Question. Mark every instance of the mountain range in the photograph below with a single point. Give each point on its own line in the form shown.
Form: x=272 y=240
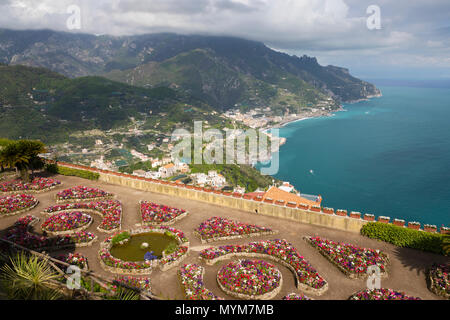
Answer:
x=223 y=72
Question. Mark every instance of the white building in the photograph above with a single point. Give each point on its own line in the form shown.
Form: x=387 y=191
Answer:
x=156 y=163
x=286 y=186
x=168 y=170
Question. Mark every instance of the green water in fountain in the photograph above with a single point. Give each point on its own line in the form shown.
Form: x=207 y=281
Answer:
x=131 y=251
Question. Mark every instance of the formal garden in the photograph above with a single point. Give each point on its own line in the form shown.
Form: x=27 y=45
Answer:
x=88 y=227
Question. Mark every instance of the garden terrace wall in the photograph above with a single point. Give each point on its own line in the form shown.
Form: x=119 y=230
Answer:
x=255 y=205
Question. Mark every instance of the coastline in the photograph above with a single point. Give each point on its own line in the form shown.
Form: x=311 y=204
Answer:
x=305 y=116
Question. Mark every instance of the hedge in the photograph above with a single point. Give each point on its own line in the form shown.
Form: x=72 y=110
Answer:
x=72 y=172
x=404 y=237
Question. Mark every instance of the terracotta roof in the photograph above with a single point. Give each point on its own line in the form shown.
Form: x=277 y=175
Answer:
x=168 y=166
x=277 y=194
x=255 y=194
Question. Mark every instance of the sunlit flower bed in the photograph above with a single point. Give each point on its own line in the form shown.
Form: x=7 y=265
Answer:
x=308 y=279
x=250 y=279
x=66 y=221
x=174 y=258
x=110 y=261
x=155 y=214
x=350 y=259
x=82 y=193
x=75 y=259
x=134 y=282
x=16 y=204
x=38 y=184
x=381 y=294
x=20 y=235
x=440 y=279
x=217 y=228
x=295 y=296
x=110 y=210
x=191 y=278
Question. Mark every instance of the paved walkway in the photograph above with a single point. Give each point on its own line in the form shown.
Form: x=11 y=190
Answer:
x=407 y=269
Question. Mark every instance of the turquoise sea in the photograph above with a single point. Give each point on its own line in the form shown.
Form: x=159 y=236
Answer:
x=388 y=156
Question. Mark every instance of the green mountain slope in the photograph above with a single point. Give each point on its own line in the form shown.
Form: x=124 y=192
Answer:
x=222 y=70
x=37 y=103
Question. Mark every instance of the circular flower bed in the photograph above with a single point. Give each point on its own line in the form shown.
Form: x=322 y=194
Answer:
x=115 y=265
x=250 y=279
x=20 y=235
x=110 y=210
x=295 y=296
x=16 y=204
x=37 y=185
x=191 y=278
x=156 y=214
x=82 y=193
x=217 y=228
x=67 y=222
x=381 y=294
x=440 y=280
x=307 y=278
x=350 y=259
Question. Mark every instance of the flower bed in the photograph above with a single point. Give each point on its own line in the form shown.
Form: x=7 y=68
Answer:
x=110 y=210
x=134 y=282
x=111 y=264
x=216 y=229
x=350 y=259
x=115 y=265
x=27 y=221
x=156 y=214
x=295 y=296
x=36 y=186
x=67 y=222
x=20 y=235
x=191 y=278
x=174 y=259
x=250 y=279
x=381 y=294
x=12 y=205
x=75 y=259
x=439 y=276
x=307 y=278
x=81 y=193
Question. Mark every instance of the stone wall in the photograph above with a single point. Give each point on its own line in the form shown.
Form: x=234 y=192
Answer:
x=325 y=217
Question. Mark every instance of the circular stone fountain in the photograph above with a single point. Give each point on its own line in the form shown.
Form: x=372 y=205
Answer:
x=250 y=279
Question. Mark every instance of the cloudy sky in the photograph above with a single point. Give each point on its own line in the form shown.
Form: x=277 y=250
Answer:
x=412 y=39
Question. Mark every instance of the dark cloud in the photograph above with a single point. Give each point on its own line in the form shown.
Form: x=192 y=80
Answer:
x=413 y=32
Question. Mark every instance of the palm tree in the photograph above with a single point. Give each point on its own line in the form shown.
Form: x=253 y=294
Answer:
x=29 y=278
x=22 y=155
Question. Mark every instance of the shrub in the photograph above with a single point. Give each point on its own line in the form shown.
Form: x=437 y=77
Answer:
x=170 y=235
x=171 y=248
x=53 y=168
x=403 y=237
x=120 y=237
